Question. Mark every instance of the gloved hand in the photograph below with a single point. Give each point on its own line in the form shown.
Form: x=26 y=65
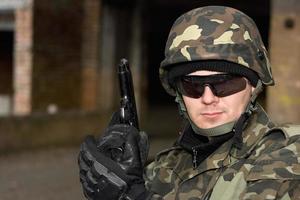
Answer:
x=112 y=168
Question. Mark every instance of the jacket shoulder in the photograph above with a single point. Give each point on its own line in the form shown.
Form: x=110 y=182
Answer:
x=280 y=155
x=289 y=130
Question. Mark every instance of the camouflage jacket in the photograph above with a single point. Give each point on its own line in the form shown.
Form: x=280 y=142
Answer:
x=267 y=167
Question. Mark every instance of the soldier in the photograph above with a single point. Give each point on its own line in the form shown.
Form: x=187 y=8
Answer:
x=215 y=65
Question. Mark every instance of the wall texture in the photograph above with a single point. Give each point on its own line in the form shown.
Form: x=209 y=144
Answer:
x=283 y=100
x=42 y=130
x=56 y=76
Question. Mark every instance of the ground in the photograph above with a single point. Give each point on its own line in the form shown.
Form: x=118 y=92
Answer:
x=48 y=174
x=40 y=175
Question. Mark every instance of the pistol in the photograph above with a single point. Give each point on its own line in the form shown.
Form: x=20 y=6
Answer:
x=128 y=115
x=128 y=111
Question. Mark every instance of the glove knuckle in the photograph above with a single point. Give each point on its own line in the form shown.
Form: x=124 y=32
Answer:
x=82 y=163
x=90 y=179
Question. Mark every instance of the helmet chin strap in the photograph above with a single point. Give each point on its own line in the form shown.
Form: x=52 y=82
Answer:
x=236 y=126
x=241 y=123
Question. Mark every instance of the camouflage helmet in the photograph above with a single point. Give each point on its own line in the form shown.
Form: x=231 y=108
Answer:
x=206 y=37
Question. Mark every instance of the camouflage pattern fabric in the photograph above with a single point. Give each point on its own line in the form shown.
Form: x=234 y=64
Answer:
x=215 y=33
x=267 y=167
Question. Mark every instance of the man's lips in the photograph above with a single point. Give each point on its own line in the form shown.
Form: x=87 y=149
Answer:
x=211 y=114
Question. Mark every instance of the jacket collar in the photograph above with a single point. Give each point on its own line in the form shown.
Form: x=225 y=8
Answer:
x=257 y=127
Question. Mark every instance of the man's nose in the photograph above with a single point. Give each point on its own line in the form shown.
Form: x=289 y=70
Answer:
x=208 y=97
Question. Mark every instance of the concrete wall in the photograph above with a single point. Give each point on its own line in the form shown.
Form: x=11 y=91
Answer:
x=42 y=130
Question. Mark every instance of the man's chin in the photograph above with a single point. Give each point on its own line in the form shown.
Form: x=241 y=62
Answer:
x=210 y=124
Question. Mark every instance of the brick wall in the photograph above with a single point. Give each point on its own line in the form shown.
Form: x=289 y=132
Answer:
x=23 y=60
x=57 y=55
x=90 y=54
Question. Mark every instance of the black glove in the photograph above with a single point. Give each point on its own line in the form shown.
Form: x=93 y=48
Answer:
x=113 y=167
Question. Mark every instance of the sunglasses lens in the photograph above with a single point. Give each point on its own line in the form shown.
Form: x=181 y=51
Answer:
x=190 y=88
x=221 y=85
x=230 y=86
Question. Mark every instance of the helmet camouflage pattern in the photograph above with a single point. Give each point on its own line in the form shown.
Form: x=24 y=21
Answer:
x=215 y=33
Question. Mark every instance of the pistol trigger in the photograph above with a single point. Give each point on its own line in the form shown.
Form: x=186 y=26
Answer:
x=116 y=154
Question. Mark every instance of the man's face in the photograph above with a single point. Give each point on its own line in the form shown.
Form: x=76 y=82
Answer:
x=209 y=111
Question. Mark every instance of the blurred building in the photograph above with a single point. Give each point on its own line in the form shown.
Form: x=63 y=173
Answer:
x=60 y=56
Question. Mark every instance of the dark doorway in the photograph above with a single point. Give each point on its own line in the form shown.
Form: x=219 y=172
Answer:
x=159 y=16
x=6 y=57
x=6 y=70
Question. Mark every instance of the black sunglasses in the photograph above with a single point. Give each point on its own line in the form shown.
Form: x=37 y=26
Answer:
x=221 y=85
